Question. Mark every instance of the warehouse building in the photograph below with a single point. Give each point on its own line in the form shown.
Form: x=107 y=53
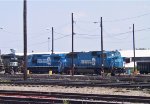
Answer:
x=140 y=55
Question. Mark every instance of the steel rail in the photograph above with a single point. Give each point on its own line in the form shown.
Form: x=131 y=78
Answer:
x=138 y=78
x=78 y=83
x=73 y=98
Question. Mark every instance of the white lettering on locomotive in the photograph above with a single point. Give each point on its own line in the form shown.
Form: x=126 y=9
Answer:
x=48 y=61
x=91 y=62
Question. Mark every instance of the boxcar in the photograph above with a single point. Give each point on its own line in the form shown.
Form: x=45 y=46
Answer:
x=143 y=67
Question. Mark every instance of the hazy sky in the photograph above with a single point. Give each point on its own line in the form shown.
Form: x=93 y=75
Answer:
x=118 y=18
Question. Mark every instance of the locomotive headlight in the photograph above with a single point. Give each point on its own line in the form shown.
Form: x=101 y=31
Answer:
x=112 y=54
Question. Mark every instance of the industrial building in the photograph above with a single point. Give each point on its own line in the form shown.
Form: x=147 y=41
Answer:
x=140 y=55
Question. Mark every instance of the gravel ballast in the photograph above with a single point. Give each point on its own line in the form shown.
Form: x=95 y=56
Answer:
x=86 y=90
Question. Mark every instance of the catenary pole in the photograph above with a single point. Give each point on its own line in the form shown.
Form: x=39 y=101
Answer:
x=72 y=45
x=52 y=40
x=134 y=48
x=25 y=37
x=102 y=55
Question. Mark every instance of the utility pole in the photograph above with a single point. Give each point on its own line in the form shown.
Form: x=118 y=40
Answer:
x=25 y=37
x=72 y=46
x=102 y=54
x=134 y=48
x=52 y=40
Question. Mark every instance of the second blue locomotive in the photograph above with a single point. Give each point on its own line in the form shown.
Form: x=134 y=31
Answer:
x=91 y=62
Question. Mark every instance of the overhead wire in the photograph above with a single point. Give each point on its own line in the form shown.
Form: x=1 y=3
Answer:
x=118 y=34
x=77 y=26
x=86 y=34
x=88 y=37
x=118 y=38
x=58 y=33
x=117 y=20
x=37 y=36
x=112 y=36
x=63 y=37
x=39 y=43
x=63 y=25
x=91 y=36
x=128 y=18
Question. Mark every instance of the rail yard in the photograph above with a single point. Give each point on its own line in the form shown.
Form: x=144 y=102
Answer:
x=49 y=82
x=84 y=89
x=73 y=78
x=88 y=72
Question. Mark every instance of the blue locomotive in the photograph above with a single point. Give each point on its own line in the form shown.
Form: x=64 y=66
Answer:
x=43 y=63
x=91 y=62
x=83 y=62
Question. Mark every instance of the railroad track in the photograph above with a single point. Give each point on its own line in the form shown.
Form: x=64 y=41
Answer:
x=30 y=97
x=133 y=78
x=77 y=84
x=138 y=78
x=117 y=81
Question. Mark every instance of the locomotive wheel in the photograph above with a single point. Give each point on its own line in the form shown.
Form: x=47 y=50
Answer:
x=141 y=72
x=113 y=73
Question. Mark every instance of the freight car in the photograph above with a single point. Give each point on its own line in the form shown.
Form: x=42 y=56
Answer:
x=90 y=62
x=143 y=67
x=43 y=63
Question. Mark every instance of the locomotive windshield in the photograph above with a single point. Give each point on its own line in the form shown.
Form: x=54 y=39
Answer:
x=100 y=55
